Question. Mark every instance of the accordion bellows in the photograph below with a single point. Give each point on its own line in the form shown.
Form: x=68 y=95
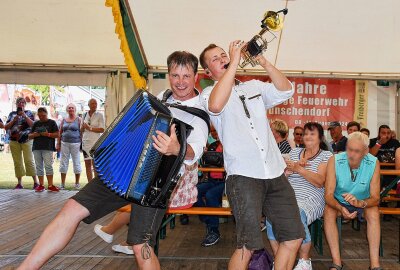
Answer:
x=124 y=156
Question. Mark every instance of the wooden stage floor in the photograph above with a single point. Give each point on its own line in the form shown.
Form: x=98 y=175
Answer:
x=24 y=215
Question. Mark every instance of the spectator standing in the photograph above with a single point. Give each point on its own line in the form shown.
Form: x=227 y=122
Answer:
x=308 y=167
x=352 y=191
x=298 y=136
x=280 y=131
x=44 y=131
x=353 y=126
x=91 y=129
x=338 y=140
x=365 y=131
x=19 y=125
x=69 y=145
x=210 y=191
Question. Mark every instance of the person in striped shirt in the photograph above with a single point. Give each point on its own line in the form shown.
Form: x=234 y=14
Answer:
x=280 y=130
x=307 y=173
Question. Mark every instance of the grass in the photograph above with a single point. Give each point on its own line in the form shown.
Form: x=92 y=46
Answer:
x=8 y=179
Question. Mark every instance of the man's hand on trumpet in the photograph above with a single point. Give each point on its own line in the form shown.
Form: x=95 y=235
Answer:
x=235 y=49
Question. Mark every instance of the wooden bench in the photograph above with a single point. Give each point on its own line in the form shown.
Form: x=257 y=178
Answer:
x=384 y=164
x=171 y=214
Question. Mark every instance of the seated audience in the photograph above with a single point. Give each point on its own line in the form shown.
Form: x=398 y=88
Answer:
x=352 y=191
x=386 y=149
x=307 y=167
x=298 y=136
x=211 y=189
x=280 y=131
x=338 y=140
x=353 y=126
x=44 y=131
x=19 y=124
x=365 y=131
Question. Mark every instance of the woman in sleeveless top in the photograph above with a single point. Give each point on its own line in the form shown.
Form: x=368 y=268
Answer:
x=69 y=145
x=307 y=173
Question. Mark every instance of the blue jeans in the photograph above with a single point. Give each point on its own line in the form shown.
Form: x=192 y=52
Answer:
x=303 y=216
x=210 y=195
x=43 y=160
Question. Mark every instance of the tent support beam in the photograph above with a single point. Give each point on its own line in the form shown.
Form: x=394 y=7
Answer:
x=310 y=74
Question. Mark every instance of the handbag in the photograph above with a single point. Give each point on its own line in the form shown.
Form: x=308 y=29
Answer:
x=261 y=260
x=212 y=159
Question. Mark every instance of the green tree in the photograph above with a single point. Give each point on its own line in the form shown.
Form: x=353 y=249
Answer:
x=44 y=90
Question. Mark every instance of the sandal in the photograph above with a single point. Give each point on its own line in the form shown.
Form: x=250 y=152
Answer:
x=338 y=267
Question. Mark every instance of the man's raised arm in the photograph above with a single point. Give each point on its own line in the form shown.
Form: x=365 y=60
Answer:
x=222 y=90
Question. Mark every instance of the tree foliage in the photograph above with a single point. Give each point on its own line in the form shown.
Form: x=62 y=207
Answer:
x=44 y=90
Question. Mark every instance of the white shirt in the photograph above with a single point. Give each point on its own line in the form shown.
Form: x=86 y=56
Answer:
x=198 y=136
x=250 y=148
x=96 y=121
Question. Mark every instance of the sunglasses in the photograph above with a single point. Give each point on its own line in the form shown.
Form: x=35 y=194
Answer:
x=298 y=134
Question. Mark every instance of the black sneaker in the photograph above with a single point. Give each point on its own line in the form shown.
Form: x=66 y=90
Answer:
x=211 y=238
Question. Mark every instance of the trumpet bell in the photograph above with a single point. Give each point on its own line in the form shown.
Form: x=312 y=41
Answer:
x=272 y=21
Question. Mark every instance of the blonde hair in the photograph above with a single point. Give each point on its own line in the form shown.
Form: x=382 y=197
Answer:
x=360 y=137
x=281 y=127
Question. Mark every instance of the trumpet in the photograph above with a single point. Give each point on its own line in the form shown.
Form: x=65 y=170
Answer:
x=258 y=44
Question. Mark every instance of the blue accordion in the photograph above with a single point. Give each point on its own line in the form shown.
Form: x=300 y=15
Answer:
x=125 y=159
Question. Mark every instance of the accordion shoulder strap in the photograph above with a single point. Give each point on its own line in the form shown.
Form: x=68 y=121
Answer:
x=192 y=110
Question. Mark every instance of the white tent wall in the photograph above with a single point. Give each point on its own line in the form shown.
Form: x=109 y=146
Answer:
x=53 y=77
x=120 y=90
x=79 y=32
x=381 y=107
x=318 y=35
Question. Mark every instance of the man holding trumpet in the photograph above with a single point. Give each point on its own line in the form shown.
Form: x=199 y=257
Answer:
x=256 y=183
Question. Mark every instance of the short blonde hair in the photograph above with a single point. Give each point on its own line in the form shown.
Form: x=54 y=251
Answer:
x=360 y=137
x=281 y=127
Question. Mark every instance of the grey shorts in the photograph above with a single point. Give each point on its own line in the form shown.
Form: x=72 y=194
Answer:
x=275 y=198
x=100 y=201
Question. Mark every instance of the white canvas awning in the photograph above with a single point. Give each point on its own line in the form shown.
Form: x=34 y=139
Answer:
x=359 y=36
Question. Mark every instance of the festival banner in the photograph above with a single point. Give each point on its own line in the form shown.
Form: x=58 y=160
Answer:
x=361 y=103
x=315 y=99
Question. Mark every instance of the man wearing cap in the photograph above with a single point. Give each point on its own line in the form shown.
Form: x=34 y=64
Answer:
x=338 y=140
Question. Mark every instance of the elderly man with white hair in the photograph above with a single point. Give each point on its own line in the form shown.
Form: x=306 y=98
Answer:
x=91 y=128
x=352 y=191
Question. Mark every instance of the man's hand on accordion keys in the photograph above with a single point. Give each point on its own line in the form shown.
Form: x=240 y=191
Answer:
x=167 y=145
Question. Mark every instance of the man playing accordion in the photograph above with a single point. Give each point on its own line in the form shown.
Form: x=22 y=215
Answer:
x=96 y=200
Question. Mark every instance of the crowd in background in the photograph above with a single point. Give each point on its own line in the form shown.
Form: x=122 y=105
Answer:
x=33 y=142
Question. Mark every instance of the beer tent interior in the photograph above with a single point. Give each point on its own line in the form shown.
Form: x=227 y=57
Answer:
x=74 y=42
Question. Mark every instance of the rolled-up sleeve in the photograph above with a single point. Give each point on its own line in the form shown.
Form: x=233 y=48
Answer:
x=197 y=139
x=272 y=96
x=204 y=98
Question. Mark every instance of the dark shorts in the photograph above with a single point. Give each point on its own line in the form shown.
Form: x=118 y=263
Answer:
x=275 y=198
x=100 y=201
